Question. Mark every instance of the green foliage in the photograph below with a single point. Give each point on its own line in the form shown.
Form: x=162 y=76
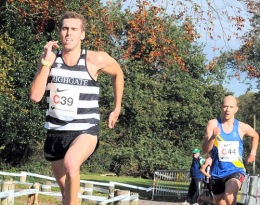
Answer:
x=169 y=95
x=164 y=115
x=7 y=60
x=249 y=113
x=20 y=119
x=247 y=57
x=248 y=108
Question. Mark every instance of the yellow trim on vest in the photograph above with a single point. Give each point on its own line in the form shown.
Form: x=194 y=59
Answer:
x=238 y=163
x=218 y=138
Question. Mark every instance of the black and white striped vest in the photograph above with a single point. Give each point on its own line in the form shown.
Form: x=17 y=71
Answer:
x=72 y=96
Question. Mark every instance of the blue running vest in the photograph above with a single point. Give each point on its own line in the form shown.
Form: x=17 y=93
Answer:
x=227 y=153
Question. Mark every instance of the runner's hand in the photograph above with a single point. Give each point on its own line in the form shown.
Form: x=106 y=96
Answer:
x=48 y=53
x=216 y=131
x=113 y=119
x=250 y=158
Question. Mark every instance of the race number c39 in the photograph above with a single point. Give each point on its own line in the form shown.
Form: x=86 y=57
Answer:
x=63 y=100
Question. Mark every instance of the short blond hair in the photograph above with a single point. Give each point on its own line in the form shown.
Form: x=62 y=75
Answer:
x=73 y=15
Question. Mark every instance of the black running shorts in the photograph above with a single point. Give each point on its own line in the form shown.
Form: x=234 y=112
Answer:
x=57 y=142
x=219 y=185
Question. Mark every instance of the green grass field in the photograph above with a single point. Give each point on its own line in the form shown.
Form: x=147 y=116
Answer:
x=126 y=180
x=139 y=182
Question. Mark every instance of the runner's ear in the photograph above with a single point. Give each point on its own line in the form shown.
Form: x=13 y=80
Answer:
x=237 y=108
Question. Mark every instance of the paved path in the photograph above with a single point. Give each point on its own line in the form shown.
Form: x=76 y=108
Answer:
x=147 y=202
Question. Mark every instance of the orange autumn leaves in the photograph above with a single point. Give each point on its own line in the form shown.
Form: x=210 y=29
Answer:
x=147 y=40
x=151 y=38
x=149 y=33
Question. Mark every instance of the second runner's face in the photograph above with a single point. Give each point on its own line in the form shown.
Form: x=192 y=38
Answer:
x=229 y=109
x=71 y=34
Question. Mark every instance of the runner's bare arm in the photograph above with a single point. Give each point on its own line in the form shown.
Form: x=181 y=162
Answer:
x=38 y=85
x=211 y=132
x=248 y=131
x=110 y=66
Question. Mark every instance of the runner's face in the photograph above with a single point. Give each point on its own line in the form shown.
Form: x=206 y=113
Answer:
x=71 y=34
x=229 y=108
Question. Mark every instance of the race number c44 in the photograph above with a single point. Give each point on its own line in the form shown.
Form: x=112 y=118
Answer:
x=63 y=100
x=228 y=151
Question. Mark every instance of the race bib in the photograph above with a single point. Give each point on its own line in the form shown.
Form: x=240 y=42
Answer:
x=228 y=151
x=63 y=101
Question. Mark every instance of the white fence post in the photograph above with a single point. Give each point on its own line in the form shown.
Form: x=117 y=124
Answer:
x=88 y=190
x=7 y=186
x=23 y=177
x=46 y=187
x=111 y=190
x=135 y=201
x=119 y=192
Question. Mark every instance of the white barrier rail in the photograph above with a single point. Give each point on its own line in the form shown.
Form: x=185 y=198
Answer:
x=172 y=183
x=94 y=186
x=130 y=186
x=37 y=176
x=165 y=181
x=250 y=191
x=5 y=194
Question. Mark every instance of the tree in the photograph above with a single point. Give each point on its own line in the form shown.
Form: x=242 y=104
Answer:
x=249 y=113
x=170 y=91
x=246 y=59
x=230 y=17
x=205 y=15
x=16 y=126
x=20 y=133
x=7 y=60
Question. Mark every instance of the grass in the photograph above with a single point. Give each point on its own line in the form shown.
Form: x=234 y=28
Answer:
x=134 y=181
x=137 y=181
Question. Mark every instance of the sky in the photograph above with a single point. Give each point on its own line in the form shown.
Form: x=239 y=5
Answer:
x=222 y=27
x=237 y=86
